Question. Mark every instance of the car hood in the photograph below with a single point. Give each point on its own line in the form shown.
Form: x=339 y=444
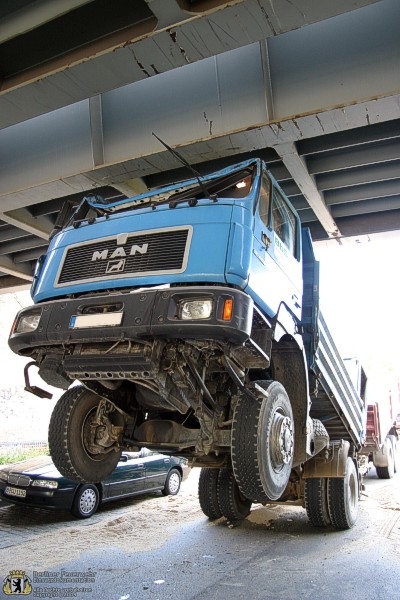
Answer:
x=39 y=466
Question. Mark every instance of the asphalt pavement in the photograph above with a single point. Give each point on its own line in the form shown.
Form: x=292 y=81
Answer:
x=178 y=554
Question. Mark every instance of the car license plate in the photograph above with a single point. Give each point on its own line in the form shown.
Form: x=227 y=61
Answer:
x=96 y=320
x=12 y=491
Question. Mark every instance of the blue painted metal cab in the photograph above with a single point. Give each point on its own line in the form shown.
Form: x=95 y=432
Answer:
x=242 y=233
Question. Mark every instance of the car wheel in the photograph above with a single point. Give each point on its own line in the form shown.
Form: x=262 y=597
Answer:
x=172 y=483
x=86 y=501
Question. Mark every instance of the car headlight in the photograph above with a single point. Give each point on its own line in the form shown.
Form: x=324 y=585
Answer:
x=46 y=483
x=3 y=476
x=195 y=309
x=28 y=322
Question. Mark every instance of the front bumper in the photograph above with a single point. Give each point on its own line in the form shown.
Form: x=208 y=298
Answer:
x=142 y=316
x=60 y=498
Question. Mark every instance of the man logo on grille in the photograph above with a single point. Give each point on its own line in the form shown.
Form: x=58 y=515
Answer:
x=115 y=266
x=120 y=252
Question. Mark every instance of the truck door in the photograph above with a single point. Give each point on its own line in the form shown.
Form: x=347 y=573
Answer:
x=276 y=274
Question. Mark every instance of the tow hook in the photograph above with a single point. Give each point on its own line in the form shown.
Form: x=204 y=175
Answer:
x=34 y=389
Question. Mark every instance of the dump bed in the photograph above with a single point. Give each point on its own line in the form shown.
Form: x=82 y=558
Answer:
x=335 y=401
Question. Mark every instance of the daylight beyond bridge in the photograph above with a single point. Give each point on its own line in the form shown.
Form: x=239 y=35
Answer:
x=312 y=87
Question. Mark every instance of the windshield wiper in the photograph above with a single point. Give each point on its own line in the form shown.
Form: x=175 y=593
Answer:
x=178 y=156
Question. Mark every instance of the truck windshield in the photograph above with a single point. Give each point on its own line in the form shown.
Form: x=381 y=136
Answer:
x=224 y=184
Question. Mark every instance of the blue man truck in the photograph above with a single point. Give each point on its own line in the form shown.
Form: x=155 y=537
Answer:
x=186 y=320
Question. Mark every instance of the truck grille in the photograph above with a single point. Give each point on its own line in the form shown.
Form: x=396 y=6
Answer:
x=129 y=255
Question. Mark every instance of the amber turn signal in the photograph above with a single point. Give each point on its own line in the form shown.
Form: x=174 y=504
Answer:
x=228 y=309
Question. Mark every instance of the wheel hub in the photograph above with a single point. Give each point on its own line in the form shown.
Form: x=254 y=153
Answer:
x=174 y=482
x=87 y=501
x=99 y=433
x=282 y=440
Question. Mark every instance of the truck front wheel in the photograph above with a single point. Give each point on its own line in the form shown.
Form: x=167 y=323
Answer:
x=69 y=435
x=263 y=443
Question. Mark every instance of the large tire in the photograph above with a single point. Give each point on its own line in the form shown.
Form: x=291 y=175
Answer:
x=208 y=493
x=343 y=497
x=388 y=471
x=68 y=424
x=316 y=501
x=263 y=443
x=86 y=501
x=396 y=457
x=172 y=483
x=233 y=504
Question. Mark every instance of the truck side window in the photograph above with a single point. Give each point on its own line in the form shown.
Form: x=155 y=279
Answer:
x=283 y=222
x=264 y=201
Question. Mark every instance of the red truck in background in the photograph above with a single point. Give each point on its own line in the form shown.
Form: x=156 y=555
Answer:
x=382 y=443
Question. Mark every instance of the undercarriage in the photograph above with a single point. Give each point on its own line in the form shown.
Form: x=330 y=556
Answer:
x=221 y=394
x=181 y=401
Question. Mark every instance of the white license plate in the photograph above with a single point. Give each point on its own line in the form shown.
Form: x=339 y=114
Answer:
x=97 y=320
x=12 y=491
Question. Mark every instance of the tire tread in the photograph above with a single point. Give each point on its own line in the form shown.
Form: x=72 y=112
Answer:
x=208 y=493
x=57 y=436
x=339 y=510
x=234 y=507
x=315 y=496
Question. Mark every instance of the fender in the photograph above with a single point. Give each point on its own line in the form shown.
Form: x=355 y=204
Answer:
x=289 y=367
x=381 y=458
x=286 y=322
x=333 y=466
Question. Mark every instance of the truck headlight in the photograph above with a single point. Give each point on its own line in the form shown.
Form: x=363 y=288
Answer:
x=46 y=483
x=195 y=309
x=28 y=322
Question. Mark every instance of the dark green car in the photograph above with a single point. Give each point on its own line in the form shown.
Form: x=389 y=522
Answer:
x=36 y=482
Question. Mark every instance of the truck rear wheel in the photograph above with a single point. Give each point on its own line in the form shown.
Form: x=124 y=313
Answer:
x=208 y=493
x=233 y=504
x=396 y=459
x=68 y=435
x=388 y=471
x=263 y=443
x=316 y=501
x=343 y=496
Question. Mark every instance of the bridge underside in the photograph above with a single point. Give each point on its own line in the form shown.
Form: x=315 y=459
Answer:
x=312 y=87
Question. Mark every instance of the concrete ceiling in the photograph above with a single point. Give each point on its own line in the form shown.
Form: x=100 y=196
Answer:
x=312 y=87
